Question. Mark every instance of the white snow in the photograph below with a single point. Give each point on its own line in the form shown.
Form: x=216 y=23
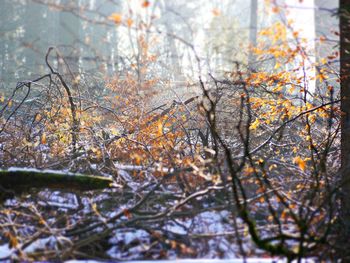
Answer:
x=248 y=260
x=5 y=251
x=28 y=169
x=39 y=244
x=128 y=167
x=128 y=236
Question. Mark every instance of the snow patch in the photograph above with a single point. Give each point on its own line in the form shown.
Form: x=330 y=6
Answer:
x=40 y=244
x=5 y=251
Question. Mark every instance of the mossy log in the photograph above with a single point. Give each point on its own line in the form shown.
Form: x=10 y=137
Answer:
x=22 y=179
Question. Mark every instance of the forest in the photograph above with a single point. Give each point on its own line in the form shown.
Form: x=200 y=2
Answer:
x=156 y=130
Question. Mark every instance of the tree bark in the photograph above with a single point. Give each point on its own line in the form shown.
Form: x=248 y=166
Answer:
x=25 y=179
x=344 y=27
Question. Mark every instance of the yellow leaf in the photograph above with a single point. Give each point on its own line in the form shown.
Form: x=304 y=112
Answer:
x=277 y=89
x=137 y=158
x=260 y=162
x=249 y=170
x=277 y=65
x=254 y=125
x=291 y=89
x=160 y=129
x=321 y=77
x=38 y=117
x=273 y=166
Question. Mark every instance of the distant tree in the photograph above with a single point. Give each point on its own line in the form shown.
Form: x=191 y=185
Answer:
x=253 y=27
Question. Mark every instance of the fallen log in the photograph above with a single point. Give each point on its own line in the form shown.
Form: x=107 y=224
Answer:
x=23 y=178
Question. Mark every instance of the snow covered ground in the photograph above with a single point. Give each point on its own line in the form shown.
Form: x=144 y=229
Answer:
x=248 y=260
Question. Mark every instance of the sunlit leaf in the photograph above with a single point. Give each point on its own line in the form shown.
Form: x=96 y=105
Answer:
x=116 y=18
x=129 y=22
x=300 y=162
x=43 y=138
x=254 y=125
x=145 y=4
x=127 y=213
x=216 y=12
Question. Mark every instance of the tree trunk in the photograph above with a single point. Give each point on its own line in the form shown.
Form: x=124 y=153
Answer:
x=344 y=26
x=23 y=179
x=253 y=30
x=325 y=24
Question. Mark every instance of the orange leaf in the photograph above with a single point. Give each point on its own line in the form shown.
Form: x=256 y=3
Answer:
x=116 y=18
x=160 y=129
x=13 y=241
x=146 y=4
x=129 y=22
x=216 y=12
x=127 y=213
x=284 y=215
x=300 y=162
x=275 y=9
x=43 y=138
